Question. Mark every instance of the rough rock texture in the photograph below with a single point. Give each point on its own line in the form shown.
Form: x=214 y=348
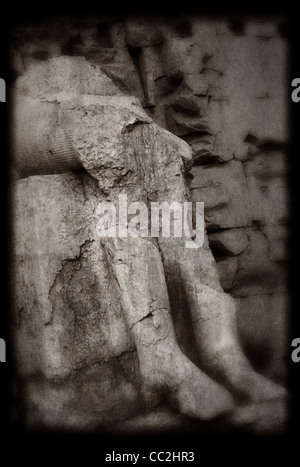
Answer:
x=70 y=329
x=222 y=89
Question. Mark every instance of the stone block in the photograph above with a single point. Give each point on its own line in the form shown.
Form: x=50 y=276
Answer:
x=230 y=242
x=223 y=190
x=257 y=272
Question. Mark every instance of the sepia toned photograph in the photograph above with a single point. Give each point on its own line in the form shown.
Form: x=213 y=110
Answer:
x=150 y=205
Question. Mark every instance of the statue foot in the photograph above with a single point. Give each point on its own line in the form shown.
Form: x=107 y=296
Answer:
x=222 y=356
x=202 y=398
x=165 y=368
x=238 y=375
x=262 y=418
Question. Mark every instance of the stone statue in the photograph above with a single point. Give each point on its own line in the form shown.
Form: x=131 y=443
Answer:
x=74 y=117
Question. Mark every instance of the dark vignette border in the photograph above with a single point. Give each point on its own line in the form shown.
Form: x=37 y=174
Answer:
x=235 y=445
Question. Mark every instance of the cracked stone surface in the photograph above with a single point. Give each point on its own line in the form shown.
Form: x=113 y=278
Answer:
x=69 y=325
x=223 y=93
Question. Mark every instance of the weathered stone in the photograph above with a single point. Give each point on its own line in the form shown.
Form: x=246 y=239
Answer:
x=66 y=252
x=157 y=114
x=32 y=134
x=267 y=343
x=16 y=61
x=141 y=290
x=103 y=392
x=158 y=421
x=266 y=175
x=181 y=56
x=227 y=269
x=182 y=125
x=197 y=83
x=65 y=70
x=185 y=113
x=118 y=64
x=257 y=273
x=223 y=190
x=187 y=103
x=205 y=35
x=229 y=242
x=262 y=29
x=117 y=34
x=267 y=165
x=268 y=123
x=70 y=326
x=276 y=51
x=164 y=87
x=151 y=70
x=237 y=109
x=202 y=148
x=265 y=418
x=279 y=241
x=231 y=80
x=141 y=32
x=91 y=36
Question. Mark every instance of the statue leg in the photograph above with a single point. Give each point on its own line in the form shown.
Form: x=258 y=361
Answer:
x=213 y=315
x=213 y=312
x=137 y=266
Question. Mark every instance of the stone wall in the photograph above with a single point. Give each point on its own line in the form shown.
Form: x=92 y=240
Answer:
x=222 y=87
